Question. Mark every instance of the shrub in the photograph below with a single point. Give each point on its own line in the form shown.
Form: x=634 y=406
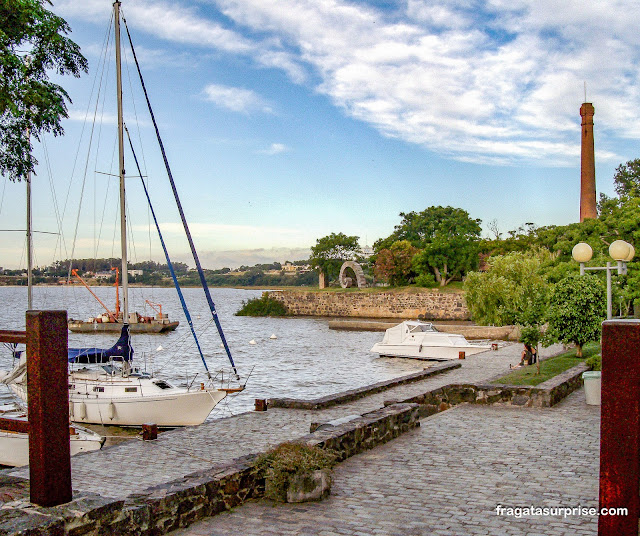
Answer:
x=595 y=362
x=577 y=309
x=426 y=281
x=265 y=305
x=283 y=462
x=530 y=335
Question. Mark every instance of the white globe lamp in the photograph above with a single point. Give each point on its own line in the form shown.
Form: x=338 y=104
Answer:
x=632 y=252
x=582 y=252
x=619 y=250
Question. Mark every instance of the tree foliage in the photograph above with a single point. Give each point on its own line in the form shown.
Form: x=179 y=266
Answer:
x=627 y=179
x=510 y=291
x=32 y=43
x=394 y=265
x=447 y=238
x=433 y=223
x=576 y=311
x=447 y=259
x=331 y=251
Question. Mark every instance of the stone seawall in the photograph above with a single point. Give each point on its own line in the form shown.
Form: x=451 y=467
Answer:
x=403 y=305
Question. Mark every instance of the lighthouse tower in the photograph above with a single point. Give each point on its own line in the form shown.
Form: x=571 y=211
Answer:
x=588 y=165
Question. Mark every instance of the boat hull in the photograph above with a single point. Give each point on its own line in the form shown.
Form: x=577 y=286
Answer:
x=178 y=409
x=116 y=327
x=14 y=447
x=438 y=353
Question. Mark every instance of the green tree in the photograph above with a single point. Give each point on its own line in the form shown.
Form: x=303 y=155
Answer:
x=510 y=291
x=577 y=308
x=422 y=228
x=395 y=264
x=32 y=43
x=627 y=179
x=331 y=251
x=447 y=258
x=447 y=236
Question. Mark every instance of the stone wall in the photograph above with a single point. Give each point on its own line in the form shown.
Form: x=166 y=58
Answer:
x=354 y=394
x=161 y=509
x=402 y=305
x=544 y=395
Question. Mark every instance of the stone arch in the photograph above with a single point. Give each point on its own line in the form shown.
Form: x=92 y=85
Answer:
x=346 y=281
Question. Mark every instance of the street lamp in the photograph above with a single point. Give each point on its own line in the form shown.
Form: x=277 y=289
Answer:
x=621 y=252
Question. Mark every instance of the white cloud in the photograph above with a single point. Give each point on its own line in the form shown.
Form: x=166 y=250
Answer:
x=479 y=80
x=236 y=99
x=275 y=148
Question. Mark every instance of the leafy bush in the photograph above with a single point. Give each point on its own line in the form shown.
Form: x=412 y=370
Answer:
x=577 y=309
x=265 y=305
x=281 y=463
x=510 y=291
x=426 y=281
x=595 y=362
x=530 y=335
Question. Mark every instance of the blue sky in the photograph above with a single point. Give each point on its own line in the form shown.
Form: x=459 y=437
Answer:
x=287 y=120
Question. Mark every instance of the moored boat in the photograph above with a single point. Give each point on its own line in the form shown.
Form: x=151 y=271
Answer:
x=14 y=437
x=113 y=390
x=416 y=339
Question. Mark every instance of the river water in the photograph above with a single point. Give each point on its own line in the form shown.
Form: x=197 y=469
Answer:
x=306 y=360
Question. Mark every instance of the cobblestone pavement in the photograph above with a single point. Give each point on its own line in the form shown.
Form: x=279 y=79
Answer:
x=447 y=477
x=136 y=465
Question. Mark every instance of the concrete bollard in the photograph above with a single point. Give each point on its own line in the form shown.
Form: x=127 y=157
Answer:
x=461 y=355
x=261 y=404
x=149 y=431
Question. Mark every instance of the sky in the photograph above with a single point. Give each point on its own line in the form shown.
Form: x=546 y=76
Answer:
x=284 y=121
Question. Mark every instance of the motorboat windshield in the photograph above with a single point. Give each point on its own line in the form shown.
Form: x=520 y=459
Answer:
x=421 y=327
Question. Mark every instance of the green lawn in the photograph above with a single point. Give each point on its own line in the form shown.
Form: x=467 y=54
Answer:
x=549 y=367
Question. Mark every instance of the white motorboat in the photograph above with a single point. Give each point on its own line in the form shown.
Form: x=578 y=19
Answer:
x=14 y=437
x=422 y=340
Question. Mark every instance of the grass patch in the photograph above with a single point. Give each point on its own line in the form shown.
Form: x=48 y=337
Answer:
x=549 y=367
x=265 y=305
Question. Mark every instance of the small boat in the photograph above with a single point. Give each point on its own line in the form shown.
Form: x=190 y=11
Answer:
x=422 y=340
x=14 y=437
x=114 y=391
x=112 y=322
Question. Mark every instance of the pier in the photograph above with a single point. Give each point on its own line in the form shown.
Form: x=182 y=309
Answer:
x=124 y=486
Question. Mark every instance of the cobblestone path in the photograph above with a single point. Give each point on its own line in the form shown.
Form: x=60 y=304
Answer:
x=135 y=465
x=447 y=477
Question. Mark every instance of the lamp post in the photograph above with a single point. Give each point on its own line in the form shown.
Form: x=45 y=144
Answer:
x=621 y=252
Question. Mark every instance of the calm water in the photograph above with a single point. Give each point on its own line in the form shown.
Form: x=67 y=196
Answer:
x=305 y=361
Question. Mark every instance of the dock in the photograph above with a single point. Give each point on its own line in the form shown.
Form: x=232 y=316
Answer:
x=127 y=478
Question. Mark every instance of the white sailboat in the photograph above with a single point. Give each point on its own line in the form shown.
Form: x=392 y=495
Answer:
x=14 y=424
x=14 y=437
x=114 y=391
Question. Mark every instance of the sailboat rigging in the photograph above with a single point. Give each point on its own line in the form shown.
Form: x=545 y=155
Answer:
x=117 y=392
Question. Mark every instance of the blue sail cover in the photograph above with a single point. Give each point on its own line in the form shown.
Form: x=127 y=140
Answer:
x=120 y=351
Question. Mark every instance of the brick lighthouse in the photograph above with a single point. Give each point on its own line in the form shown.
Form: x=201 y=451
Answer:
x=588 y=165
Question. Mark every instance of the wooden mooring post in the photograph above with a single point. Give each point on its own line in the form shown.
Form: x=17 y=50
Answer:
x=620 y=427
x=46 y=338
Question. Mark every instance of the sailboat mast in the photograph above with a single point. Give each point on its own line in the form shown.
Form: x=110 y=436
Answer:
x=29 y=245
x=123 y=209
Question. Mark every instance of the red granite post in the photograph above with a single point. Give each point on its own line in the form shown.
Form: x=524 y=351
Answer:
x=48 y=393
x=620 y=426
